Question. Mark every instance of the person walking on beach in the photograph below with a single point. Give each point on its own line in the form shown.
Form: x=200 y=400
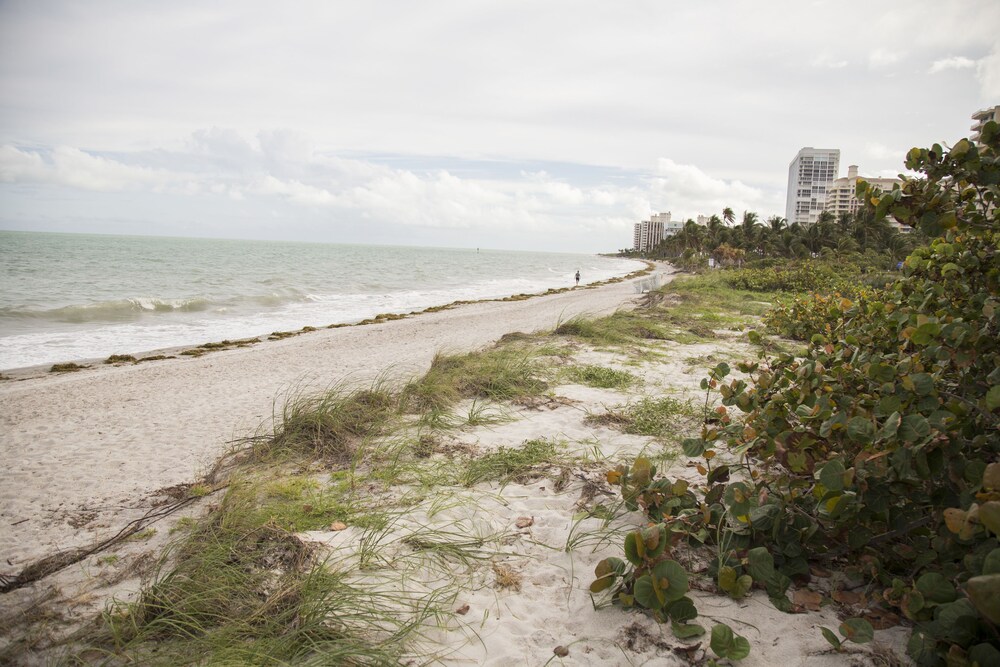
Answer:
x=578 y=278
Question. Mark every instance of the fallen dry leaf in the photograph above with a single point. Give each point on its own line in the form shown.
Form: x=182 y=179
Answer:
x=561 y=651
x=338 y=525
x=849 y=597
x=524 y=521
x=463 y=610
x=811 y=600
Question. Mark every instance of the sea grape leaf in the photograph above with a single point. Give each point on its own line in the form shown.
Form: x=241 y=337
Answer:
x=857 y=630
x=830 y=637
x=644 y=593
x=984 y=591
x=989 y=516
x=676 y=577
x=936 y=588
x=832 y=474
x=991 y=564
x=860 y=430
x=913 y=428
x=687 y=630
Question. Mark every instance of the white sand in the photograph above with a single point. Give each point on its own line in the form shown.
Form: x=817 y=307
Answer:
x=91 y=448
x=85 y=453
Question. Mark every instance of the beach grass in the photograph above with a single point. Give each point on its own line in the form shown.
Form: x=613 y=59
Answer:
x=240 y=586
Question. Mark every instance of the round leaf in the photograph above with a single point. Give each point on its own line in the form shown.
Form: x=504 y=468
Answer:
x=857 y=630
x=936 y=588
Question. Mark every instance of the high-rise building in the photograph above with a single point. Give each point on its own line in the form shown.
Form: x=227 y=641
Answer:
x=982 y=117
x=649 y=233
x=809 y=175
x=840 y=194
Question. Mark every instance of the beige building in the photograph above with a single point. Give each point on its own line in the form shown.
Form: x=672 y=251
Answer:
x=982 y=117
x=840 y=194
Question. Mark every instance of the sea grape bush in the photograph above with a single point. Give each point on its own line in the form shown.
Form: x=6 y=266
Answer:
x=804 y=316
x=877 y=451
x=796 y=277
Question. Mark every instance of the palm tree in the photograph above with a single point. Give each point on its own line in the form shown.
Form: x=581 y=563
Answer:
x=728 y=215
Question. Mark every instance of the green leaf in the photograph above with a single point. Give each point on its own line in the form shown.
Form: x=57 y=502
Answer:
x=984 y=591
x=832 y=474
x=857 y=630
x=682 y=610
x=693 y=447
x=740 y=648
x=914 y=428
x=830 y=637
x=993 y=398
x=923 y=383
x=722 y=639
x=687 y=630
x=922 y=648
x=675 y=576
x=644 y=593
x=760 y=564
x=991 y=564
x=989 y=516
x=936 y=588
x=984 y=654
x=631 y=548
x=861 y=430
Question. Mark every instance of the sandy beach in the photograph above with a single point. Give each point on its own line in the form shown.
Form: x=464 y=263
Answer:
x=85 y=453
x=92 y=448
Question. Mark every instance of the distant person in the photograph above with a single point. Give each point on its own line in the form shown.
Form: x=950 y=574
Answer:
x=577 y=278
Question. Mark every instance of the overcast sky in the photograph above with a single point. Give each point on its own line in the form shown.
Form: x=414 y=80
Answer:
x=551 y=125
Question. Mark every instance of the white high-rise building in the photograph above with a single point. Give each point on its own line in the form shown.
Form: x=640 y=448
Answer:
x=982 y=117
x=809 y=175
x=649 y=233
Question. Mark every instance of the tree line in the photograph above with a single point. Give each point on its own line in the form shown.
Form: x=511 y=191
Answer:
x=730 y=242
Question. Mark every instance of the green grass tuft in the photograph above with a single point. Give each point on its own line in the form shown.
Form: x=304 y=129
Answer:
x=602 y=377
x=511 y=464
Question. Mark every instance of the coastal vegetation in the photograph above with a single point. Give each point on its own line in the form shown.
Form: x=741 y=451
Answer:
x=842 y=453
x=875 y=451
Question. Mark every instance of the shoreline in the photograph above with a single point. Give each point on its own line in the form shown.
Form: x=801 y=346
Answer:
x=20 y=373
x=88 y=452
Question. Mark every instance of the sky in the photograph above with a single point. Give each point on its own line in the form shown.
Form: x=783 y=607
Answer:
x=551 y=124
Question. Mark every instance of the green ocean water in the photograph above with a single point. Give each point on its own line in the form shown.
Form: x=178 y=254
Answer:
x=80 y=296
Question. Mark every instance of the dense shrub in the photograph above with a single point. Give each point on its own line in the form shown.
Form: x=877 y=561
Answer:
x=795 y=277
x=877 y=451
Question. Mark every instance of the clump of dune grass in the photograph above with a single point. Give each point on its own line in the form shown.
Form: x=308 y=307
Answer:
x=511 y=464
x=330 y=425
x=620 y=328
x=602 y=377
x=498 y=374
x=238 y=590
x=662 y=417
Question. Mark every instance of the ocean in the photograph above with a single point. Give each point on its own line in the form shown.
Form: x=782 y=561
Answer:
x=66 y=297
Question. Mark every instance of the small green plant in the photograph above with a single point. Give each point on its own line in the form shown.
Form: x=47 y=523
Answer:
x=727 y=644
x=510 y=464
x=856 y=630
x=602 y=377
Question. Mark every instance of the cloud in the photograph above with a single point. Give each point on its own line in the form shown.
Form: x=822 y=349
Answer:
x=988 y=74
x=827 y=61
x=72 y=167
x=952 y=62
x=881 y=58
x=687 y=191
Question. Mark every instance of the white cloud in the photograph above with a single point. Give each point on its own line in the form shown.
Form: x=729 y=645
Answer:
x=881 y=58
x=72 y=167
x=988 y=74
x=827 y=61
x=952 y=62
x=687 y=191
